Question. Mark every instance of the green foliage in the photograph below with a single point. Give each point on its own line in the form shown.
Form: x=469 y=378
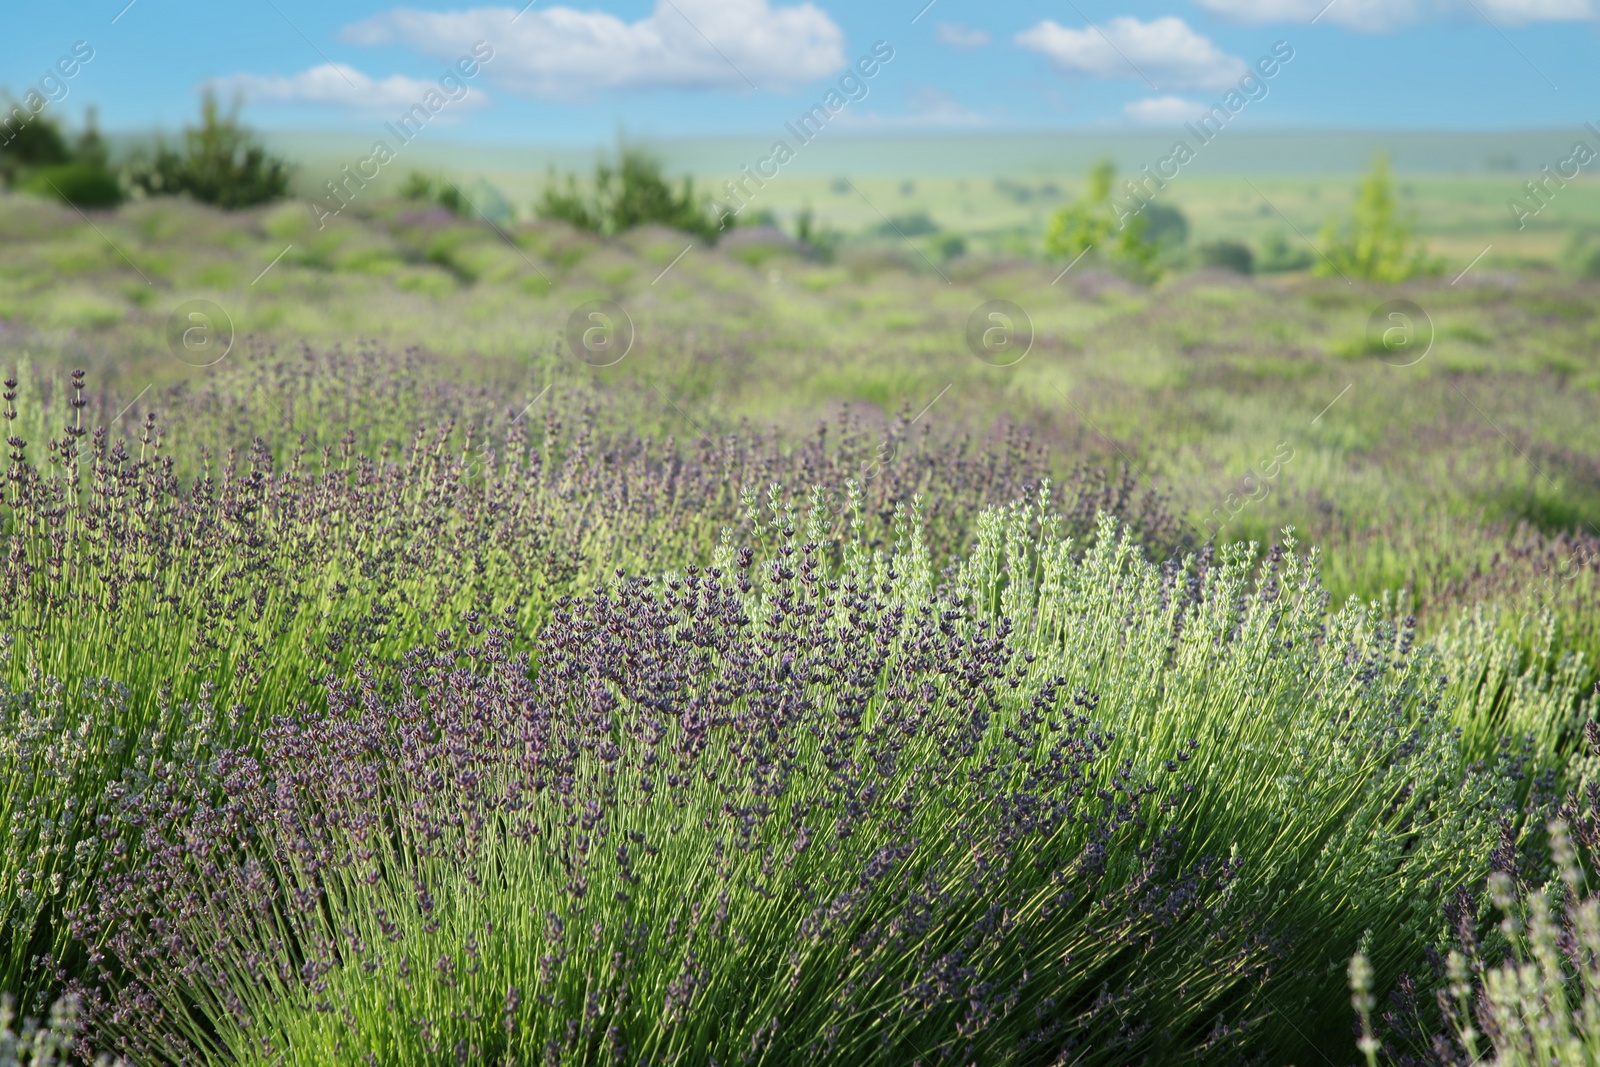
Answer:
x=567 y=203
x=822 y=239
x=1165 y=226
x=423 y=188
x=91 y=147
x=1121 y=235
x=83 y=185
x=39 y=160
x=1279 y=255
x=631 y=193
x=37 y=142
x=1322 y=749
x=916 y=224
x=417 y=186
x=1581 y=254
x=1227 y=255
x=220 y=163
x=760 y=217
x=1525 y=992
x=1376 y=243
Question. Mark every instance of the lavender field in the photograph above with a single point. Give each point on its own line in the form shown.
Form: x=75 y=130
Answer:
x=595 y=614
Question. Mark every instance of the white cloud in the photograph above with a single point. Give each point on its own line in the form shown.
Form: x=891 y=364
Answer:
x=954 y=33
x=1162 y=110
x=1165 y=50
x=1381 y=16
x=560 y=52
x=335 y=84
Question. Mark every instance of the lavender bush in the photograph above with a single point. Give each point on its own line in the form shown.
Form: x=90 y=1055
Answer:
x=1330 y=762
x=754 y=815
x=214 y=590
x=1519 y=991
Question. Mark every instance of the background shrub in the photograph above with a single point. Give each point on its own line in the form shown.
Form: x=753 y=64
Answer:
x=1277 y=254
x=38 y=159
x=1133 y=235
x=80 y=184
x=630 y=193
x=1581 y=254
x=1375 y=243
x=220 y=163
x=1227 y=255
x=38 y=142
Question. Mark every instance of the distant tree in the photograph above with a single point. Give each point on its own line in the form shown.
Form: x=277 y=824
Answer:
x=1133 y=238
x=1165 y=226
x=84 y=185
x=1227 y=255
x=40 y=160
x=632 y=193
x=35 y=143
x=1582 y=254
x=805 y=224
x=1376 y=243
x=1277 y=254
x=91 y=147
x=422 y=187
x=567 y=203
x=916 y=224
x=638 y=194
x=417 y=186
x=221 y=163
x=823 y=240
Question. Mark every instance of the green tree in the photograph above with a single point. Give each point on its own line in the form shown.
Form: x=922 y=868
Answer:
x=35 y=142
x=1376 y=243
x=1093 y=221
x=221 y=163
x=632 y=193
x=39 y=159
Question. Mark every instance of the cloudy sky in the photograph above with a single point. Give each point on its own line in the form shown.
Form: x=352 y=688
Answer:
x=578 y=71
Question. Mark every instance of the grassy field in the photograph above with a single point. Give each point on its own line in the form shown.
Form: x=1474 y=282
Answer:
x=386 y=681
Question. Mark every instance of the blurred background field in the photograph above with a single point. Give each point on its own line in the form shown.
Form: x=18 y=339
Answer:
x=1189 y=381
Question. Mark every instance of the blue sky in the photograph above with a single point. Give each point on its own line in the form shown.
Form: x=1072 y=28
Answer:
x=572 y=73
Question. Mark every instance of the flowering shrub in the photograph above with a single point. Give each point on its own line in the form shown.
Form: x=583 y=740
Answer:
x=1329 y=763
x=215 y=591
x=760 y=814
x=1521 y=992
